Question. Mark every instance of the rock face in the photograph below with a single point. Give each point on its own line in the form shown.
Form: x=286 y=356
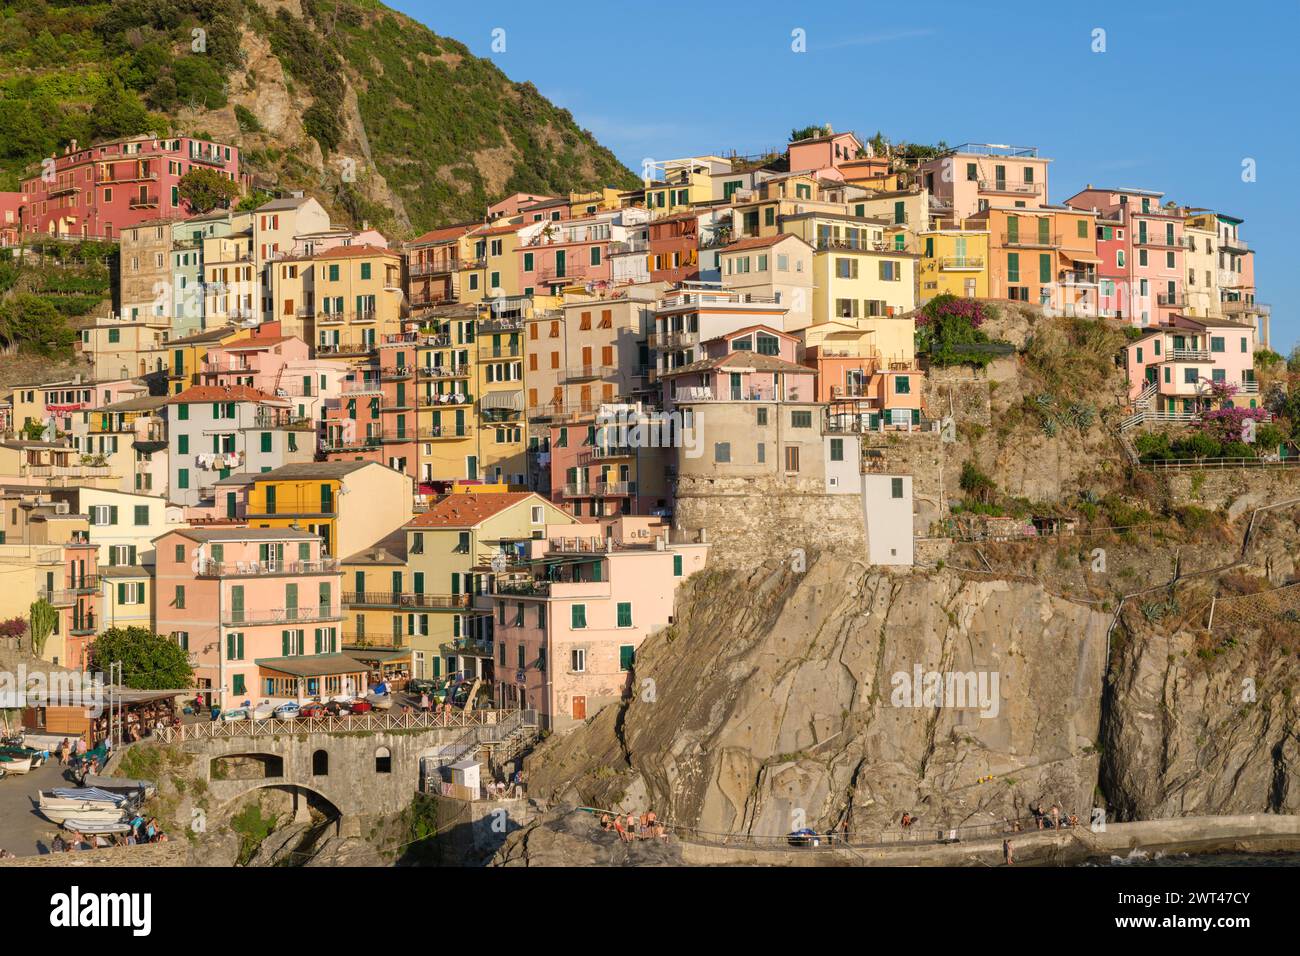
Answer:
x=780 y=700
x=1197 y=730
x=571 y=837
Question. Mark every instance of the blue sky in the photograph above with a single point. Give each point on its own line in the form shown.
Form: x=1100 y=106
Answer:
x=1182 y=94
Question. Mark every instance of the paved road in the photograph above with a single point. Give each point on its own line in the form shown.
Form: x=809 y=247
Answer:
x=23 y=831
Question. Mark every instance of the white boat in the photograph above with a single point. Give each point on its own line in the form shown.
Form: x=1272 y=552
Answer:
x=15 y=764
x=71 y=801
x=91 y=827
x=86 y=814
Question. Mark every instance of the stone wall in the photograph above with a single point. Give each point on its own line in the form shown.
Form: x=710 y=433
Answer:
x=1236 y=489
x=747 y=521
x=171 y=853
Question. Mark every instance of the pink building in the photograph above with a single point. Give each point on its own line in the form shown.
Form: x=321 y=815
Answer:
x=568 y=252
x=258 y=610
x=97 y=191
x=567 y=629
x=278 y=365
x=1173 y=369
x=512 y=204
x=607 y=464
x=828 y=151
x=1142 y=249
x=756 y=363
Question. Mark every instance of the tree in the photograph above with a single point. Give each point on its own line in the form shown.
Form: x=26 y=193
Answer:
x=35 y=326
x=118 y=112
x=41 y=624
x=205 y=189
x=149 y=661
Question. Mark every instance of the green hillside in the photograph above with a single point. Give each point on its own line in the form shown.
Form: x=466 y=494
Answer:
x=446 y=132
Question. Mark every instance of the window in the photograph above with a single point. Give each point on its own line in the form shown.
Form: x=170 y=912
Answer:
x=234 y=647
x=902 y=385
x=761 y=414
x=722 y=452
x=837 y=449
x=578 y=617
x=791 y=458
x=624 y=613
x=320 y=764
x=179 y=600
x=1013 y=266
x=237 y=685
x=1217 y=343
x=895 y=487
x=578 y=660
x=677 y=565
x=383 y=760
x=626 y=657
x=183 y=478
x=1189 y=376
x=801 y=419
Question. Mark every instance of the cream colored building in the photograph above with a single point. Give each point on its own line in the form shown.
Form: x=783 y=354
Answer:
x=775 y=268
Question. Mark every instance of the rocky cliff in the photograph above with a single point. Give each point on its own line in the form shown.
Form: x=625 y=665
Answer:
x=780 y=699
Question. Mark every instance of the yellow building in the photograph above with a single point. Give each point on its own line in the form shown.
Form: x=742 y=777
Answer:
x=357 y=299
x=685 y=183
x=449 y=558
x=183 y=358
x=954 y=262
x=446 y=376
x=855 y=271
x=590 y=203
x=126 y=596
x=350 y=504
x=499 y=374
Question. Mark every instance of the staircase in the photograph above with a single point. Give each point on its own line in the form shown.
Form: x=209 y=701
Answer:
x=1141 y=407
x=502 y=741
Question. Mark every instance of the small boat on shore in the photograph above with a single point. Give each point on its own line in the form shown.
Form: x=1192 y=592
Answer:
x=15 y=765
x=90 y=804
x=122 y=785
x=93 y=827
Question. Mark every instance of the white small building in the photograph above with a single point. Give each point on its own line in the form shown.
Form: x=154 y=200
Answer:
x=887 y=510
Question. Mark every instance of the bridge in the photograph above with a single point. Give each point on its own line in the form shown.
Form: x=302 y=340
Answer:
x=362 y=765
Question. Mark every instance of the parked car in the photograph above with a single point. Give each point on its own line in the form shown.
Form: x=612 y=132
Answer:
x=287 y=711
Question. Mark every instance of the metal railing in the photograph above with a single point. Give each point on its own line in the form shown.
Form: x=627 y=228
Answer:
x=369 y=722
x=961 y=263
x=1030 y=239
x=405 y=599
x=282 y=615
x=238 y=569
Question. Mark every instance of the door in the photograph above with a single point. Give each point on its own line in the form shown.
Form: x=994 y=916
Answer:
x=560 y=270
x=579 y=708
x=1151 y=374
x=735 y=386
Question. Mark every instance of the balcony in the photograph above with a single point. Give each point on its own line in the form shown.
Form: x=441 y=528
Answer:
x=1163 y=242
x=673 y=340
x=405 y=599
x=614 y=489
x=1037 y=240
x=247 y=569
x=439 y=432
x=1010 y=187
x=59 y=597
x=364 y=385
x=587 y=373
x=111 y=179
x=499 y=352
x=445 y=400
x=143 y=202
x=346 y=348
x=281 y=615
x=1237 y=307
x=352 y=639
x=961 y=264
x=1174 y=301
x=338 y=442
x=440 y=267
x=207 y=159
x=396 y=373
x=826 y=243
x=523 y=587
x=445 y=371
x=1187 y=355
x=468 y=647
x=1078 y=278
x=499 y=324
x=859 y=390
x=65 y=471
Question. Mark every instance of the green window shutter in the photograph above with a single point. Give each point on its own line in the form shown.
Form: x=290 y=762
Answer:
x=596 y=571
x=237 y=603
x=626 y=656
x=1045 y=268
x=121 y=594
x=182 y=413
x=284 y=643
x=1013 y=267
x=266 y=441
x=1013 y=229
x=141 y=514
x=183 y=444
x=677 y=565
x=318 y=640
x=578 y=618
x=112 y=514
x=916 y=416
x=1044 y=232
x=624 y=614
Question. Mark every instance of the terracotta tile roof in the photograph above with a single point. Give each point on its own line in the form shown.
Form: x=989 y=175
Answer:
x=744 y=360
x=468 y=510
x=443 y=234
x=223 y=393
x=758 y=242
x=354 y=252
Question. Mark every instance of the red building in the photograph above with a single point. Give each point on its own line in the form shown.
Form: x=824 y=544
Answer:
x=98 y=191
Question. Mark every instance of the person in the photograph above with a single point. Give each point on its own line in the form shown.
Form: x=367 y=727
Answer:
x=424 y=703
x=622 y=831
x=1056 y=816
x=64 y=751
x=605 y=823
x=906 y=821
x=1037 y=811
x=57 y=845
x=518 y=781
x=1008 y=853
x=74 y=843
x=1074 y=820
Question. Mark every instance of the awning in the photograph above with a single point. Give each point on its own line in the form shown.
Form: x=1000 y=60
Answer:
x=503 y=401
x=313 y=665
x=1078 y=256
